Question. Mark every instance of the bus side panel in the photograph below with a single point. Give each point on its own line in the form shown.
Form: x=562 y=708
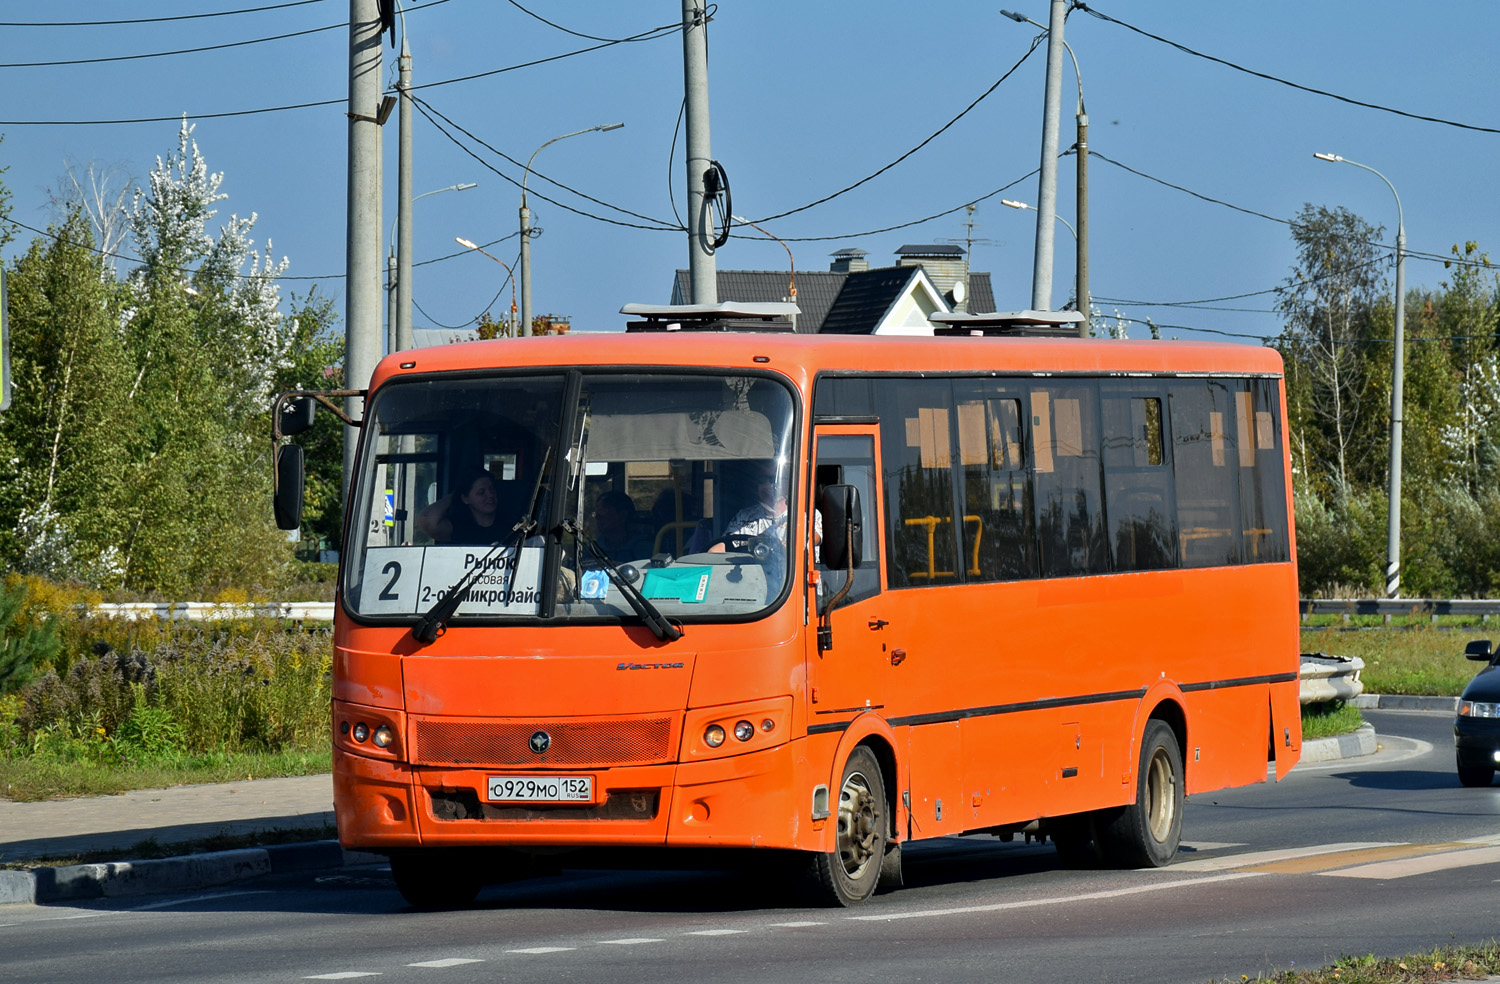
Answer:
x=1226 y=738
x=366 y=678
x=1286 y=726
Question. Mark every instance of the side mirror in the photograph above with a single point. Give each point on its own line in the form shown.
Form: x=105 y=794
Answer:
x=843 y=528
x=297 y=416
x=1478 y=649
x=287 y=498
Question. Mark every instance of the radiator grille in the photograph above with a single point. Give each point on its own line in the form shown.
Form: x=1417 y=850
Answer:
x=606 y=742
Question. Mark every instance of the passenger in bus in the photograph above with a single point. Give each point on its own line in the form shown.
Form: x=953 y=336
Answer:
x=615 y=528
x=467 y=515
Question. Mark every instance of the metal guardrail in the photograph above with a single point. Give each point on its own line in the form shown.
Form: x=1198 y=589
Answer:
x=204 y=611
x=1387 y=607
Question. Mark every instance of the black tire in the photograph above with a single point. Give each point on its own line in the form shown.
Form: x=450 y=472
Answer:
x=1146 y=833
x=849 y=873
x=1475 y=775
x=435 y=879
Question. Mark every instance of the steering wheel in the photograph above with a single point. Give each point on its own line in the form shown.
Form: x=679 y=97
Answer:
x=757 y=546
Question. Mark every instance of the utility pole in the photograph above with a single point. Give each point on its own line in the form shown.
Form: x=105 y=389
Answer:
x=362 y=245
x=1082 y=219
x=1046 y=206
x=702 y=269
x=403 y=201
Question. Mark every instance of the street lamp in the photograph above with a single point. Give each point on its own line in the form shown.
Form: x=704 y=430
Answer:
x=479 y=249
x=1393 y=526
x=526 y=222
x=791 y=287
x=1081 y=236
x=1084 y=325
x=393 y=280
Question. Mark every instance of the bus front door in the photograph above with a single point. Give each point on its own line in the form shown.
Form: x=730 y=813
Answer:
x=856 y=674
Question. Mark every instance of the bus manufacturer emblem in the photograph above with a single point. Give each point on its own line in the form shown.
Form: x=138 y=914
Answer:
x=540 y=742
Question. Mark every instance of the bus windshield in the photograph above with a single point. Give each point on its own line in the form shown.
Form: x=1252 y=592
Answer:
x=562 y=492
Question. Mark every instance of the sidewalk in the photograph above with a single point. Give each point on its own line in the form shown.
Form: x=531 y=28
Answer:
x=183 y=814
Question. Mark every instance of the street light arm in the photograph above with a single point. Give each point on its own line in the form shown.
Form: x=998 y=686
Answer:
x=1023 y=19
x=1400 y=218
x=792 y=289
x=601 y=128
x=461 y=186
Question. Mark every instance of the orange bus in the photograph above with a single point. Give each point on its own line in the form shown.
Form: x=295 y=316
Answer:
x=810 y=595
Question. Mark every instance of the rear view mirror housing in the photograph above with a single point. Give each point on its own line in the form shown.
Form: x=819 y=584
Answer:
x=1479 y=649
x=843 y=528
x=287 y=497
x=297 y=416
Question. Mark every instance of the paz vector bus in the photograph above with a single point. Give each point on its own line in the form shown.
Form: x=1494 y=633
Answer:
x=869 y=590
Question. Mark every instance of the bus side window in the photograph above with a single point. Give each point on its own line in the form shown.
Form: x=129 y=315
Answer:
x=1137 y=478
x=1262 y=478
x=999 y=541
x=1065 y=442
x=917 y=456
x=1205 y=461
x=849 y=459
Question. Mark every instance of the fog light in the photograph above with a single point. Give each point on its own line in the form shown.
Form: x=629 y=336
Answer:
x=744 y=730
x=768 y=725
x=344 y=727
x=713 y=736
x=1497 y=756
x=361 y=731
x=384 y=736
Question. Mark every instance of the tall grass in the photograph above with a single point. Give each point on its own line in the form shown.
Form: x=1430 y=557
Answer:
x=1423 y=660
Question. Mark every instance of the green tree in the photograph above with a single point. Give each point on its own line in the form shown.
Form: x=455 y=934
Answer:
x=1328 y=304
x=69 y=422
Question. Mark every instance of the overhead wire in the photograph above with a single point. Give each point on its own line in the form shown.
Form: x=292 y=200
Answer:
x=180 y=51
x=1272 y=78
x=158 y=20
x=1035 y=43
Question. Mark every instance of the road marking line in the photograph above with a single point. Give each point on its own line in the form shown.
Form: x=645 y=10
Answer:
x=446 y=962
x=1346 y=859
x=543 y=949
x=795 y=925
x=195 y=898
x=1422 y=864
x=715 y=932
x=342 y=975
x=631 y=941
x=1237 y=861
x=1058 y=900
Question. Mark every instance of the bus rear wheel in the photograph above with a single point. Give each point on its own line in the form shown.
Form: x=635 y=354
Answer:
x=849 y=873
x=435 y=879
x=1146 y=833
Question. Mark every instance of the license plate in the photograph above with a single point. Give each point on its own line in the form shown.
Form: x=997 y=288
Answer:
x=541 y=789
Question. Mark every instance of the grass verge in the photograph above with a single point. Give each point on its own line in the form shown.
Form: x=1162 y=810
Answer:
x=1423 y=660
x=1447 y=963
x=1329 y=720
x=42 y=777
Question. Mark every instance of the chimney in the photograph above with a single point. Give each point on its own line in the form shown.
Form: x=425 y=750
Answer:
x=849 y=260
x=946 y=266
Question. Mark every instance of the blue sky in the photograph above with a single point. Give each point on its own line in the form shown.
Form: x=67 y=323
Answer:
x=806 y=98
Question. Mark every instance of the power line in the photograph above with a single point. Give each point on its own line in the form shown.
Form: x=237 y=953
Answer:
x=1272 y=78
x=180 y=51
x=650 y=35
x=423 y=107
x=589 y=37
x=1187 y=191
x=906 y=225
x=1035 y=42
x=156 y=20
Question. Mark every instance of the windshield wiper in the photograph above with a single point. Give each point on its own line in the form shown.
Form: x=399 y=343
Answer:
x=654 y=619
x=434 y=623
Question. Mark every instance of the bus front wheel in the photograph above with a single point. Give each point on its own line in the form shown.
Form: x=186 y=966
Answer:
x=850 y=872
x=435 y=879
x=1146 y=833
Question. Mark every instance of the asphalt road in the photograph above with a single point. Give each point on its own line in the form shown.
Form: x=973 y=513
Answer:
x=1350 y=857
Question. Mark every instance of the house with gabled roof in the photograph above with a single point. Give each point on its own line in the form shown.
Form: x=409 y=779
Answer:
x=851 y=298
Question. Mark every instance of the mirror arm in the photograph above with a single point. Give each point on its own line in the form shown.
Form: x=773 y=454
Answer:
x=322 y=397
x=825 y=618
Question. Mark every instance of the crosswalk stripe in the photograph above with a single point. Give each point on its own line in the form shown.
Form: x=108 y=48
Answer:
x=1254 y=858
x=1346 y=859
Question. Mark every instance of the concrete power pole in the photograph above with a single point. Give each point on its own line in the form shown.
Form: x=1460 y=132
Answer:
x=702 y=269
x=1046 y=206
x=403 y=204
x=1082 y=220
x=362 y=287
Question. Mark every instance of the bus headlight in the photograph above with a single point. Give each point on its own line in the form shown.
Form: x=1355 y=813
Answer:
x=361 y=732
x=713 y=736
x=384 y=736
x=744 y=731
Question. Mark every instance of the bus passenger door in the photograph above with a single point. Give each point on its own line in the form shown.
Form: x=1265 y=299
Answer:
x=852 y=676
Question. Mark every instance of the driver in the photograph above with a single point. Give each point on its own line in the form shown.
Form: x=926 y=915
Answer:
x=767 y=514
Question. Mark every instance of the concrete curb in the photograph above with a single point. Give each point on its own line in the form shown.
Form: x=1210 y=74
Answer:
x=116 y=879
x=1359 y=742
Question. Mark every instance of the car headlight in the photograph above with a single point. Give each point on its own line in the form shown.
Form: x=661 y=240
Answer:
x=1478 y=709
